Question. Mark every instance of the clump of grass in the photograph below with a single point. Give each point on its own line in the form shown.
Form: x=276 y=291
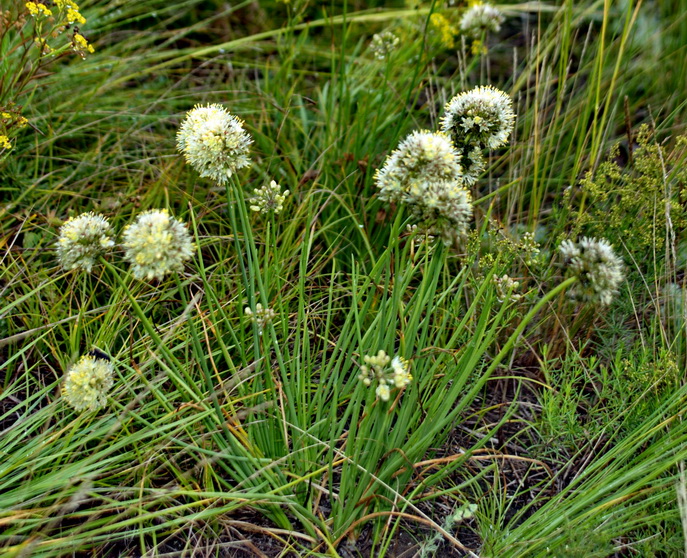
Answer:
x=511 y=422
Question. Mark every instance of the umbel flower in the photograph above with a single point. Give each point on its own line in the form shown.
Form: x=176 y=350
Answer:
x=262 y=316
x=445 y=208
x=268 y=199
x=482 y=117
x=376 y=368
x=599 y=271
x=383 y=44
x=479 y=119
x=421 y=157
x=156 y=244
x=83 y=240
x=480 y=18
x=505 y=287
x=424 y=174
x=214 y=142
x=87 y=383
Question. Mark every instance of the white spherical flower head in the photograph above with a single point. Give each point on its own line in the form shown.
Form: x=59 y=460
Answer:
x=421 y=157
x=156 y=244
x=214 y=142
x=480 y=18
x=87 y=383
x=482 y=117
x=445 y=208
x=599 y=271
x=83 y=240
x=383 y=44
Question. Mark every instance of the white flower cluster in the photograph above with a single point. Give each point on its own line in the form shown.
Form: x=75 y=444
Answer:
x=82 y=240
x=156 y=244
x=87 y=383
x=214 y=142
x=479 y=119
x=505 y=287
x=480 y=18
x=424 y=173
x=383 y=44
x=376 y=367
x=599 y=271
x=268 y=198
x=421 y=157
x=261 y=316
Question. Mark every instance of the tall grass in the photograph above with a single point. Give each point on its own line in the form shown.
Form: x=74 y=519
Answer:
x=217 y=434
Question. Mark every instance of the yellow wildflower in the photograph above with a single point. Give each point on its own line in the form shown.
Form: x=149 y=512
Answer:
x=74 y=16
x=478 y=47
x=5 y=143
x=6 y=115
x=446 y=30
x=81 y=45
x=36 y=9
x=72 y=9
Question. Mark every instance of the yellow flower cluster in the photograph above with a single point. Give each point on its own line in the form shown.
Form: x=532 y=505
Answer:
x=16 y=120
x=37 y=9
x=445 y=29
x=81 y=45
x=478 y=47
x=72 y=11
x=9 y=122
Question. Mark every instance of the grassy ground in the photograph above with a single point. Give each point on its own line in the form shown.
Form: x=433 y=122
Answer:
x=532 y=427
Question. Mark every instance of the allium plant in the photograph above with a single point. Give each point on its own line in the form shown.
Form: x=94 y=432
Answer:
x=424 y=174
x=156 y=244
x=421 y=157
x=83 y=240
x=261 y=316
x=383 y=44
x=214 y=142
x=598 y=270
x=87 y=383
x=480 y=18
x=377 y=369
x=479 y=119
x=268 y=199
